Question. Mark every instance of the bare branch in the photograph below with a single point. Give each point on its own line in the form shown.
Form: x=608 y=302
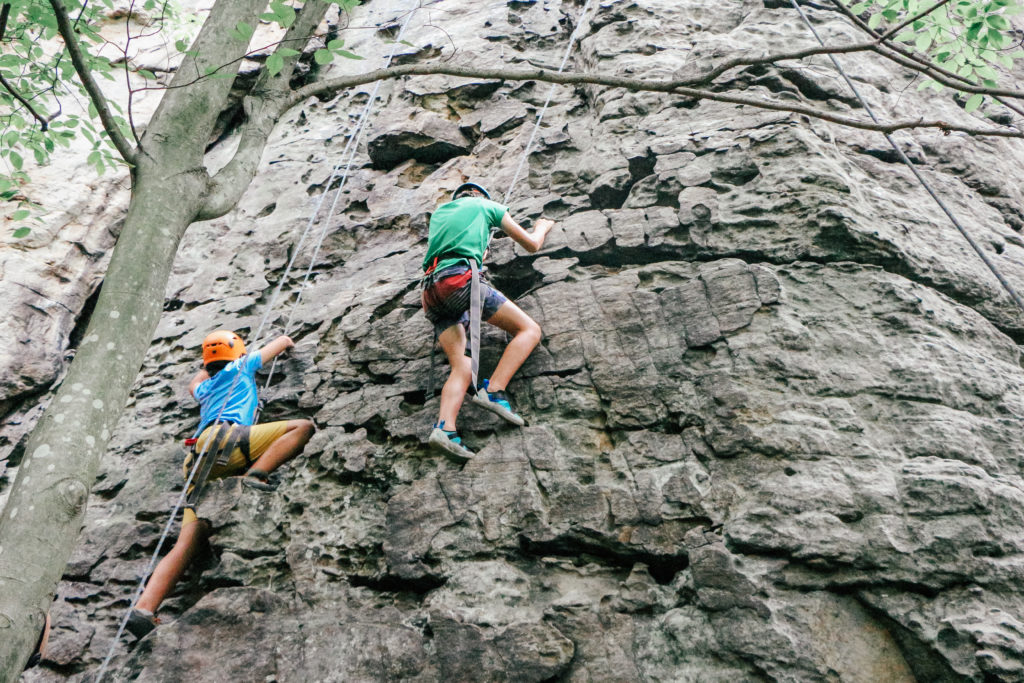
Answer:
x=675 y=87
x=717 y=71
x=44 y=122
x=67 y=31
x=920 y=15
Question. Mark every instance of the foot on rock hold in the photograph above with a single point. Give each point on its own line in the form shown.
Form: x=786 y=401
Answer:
x=258 y=479
x=449 y=443
x=497 y=402
x=141 y=622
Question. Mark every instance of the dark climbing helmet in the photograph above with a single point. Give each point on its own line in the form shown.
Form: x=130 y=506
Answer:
x=222 y=345
x=469 y=186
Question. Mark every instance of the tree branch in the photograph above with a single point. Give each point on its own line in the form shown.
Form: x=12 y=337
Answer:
x=5 y=12
x=675 y=87
x=44 y=123
x=926 y=67
x=891 y=32
x=67 y=31
x=717 y=71
x=262 y=111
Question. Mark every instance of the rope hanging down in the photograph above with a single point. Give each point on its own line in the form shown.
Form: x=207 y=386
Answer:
x=474 y=319
x=540 y=115
x=924 y=183
x=350 y=150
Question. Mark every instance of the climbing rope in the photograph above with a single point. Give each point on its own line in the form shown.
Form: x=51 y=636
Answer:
x=350 y=151
x=543 y=110
x=924 y=183
x=474 y=326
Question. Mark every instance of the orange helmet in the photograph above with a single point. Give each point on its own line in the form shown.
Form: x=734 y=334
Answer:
x=222 y=345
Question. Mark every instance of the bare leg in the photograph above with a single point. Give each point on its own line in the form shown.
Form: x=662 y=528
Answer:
x=453 y=341
x=525 y=337
x=286 y=446
x=172 y=566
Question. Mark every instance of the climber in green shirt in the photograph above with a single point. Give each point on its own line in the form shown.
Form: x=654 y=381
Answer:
x=460 y=231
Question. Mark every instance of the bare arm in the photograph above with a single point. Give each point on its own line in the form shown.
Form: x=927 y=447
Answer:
x=200 y=377
x=530 y=241
x=279 y=345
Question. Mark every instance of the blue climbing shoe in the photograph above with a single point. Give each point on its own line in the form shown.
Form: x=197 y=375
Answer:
x=497 y=403
x=449 y=443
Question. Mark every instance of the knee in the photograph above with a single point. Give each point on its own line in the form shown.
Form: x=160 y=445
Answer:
x=305 y=429
x=532 y=332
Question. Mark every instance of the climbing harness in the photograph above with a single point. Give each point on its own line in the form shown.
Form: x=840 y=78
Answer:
x=917 y=174
x=475 y=306
x=204 y=460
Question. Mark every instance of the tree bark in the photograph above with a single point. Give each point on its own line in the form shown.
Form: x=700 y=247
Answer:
x=48 y=497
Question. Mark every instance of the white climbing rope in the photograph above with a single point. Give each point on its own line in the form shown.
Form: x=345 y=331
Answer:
x=351 y=147
x=540 y=115
x=350 y=151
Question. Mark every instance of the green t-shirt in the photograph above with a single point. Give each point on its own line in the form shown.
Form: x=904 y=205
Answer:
x=461 y=230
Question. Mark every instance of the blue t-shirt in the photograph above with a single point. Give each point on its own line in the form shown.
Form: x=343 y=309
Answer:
x=242 y=402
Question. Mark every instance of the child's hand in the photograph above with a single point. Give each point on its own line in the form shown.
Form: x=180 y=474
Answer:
x=543 y=225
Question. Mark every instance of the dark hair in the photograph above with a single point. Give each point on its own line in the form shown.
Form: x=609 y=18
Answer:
x=215 y=366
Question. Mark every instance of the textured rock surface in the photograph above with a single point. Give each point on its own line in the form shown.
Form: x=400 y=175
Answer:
x=774 y=423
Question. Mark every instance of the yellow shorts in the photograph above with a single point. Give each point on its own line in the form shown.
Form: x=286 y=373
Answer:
x=260 y=438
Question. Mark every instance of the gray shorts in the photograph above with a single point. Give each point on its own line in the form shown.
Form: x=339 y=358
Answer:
x=446 y=295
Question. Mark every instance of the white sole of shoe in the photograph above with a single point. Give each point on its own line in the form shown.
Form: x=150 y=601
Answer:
x=454 y=451
x=487 y=404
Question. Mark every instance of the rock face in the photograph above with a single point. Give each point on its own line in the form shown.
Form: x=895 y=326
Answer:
x=773 y=426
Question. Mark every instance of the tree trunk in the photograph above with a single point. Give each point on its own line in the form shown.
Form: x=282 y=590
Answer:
x=44 y=512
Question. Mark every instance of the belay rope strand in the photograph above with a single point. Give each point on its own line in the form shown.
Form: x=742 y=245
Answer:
x=204 y=455
x=475 y=306
x=924 y=183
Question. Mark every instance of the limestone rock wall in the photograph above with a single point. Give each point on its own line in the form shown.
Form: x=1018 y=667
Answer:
x=773 y=426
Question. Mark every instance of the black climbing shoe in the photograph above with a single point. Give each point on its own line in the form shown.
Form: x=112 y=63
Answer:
x=141 y=622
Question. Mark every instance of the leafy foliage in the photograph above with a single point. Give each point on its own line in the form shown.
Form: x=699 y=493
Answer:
x=971 y=40
x=35 y=79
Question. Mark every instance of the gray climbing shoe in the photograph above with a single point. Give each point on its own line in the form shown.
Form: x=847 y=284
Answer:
x=497 y=402
x=450 y=444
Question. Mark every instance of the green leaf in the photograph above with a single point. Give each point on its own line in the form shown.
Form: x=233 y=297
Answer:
x=275 y=63
x=22 y=232
x=323 y=56
x=348 y=55
x=923 y=42
x=995 y=38
x=287 y=52
x=147 y=74
x=997 y=22
x=860 y=7
x=181 y=45
x=875 y=21
x=20 y=215
x=242 y=32
x=336 y=44
x=974 y=102
x=16 y=160
x=906 y=36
